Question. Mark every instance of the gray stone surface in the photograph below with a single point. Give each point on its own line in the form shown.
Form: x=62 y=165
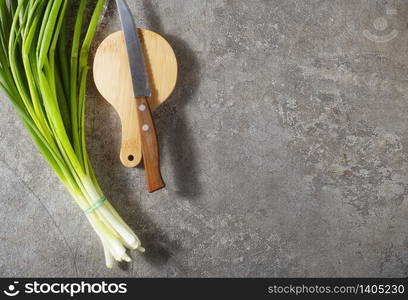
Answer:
x=284 y=149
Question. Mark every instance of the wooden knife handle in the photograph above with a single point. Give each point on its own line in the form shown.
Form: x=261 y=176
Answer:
x=150 y=145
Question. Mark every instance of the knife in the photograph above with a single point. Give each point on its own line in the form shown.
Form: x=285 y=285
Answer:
x=141 y=91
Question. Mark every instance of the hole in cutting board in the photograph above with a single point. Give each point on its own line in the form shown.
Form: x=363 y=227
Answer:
x=131 y=157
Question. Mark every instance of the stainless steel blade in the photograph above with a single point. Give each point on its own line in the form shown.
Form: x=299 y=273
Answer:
x=134 y=50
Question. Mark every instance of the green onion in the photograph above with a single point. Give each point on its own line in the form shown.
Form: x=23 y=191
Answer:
x=47 y=88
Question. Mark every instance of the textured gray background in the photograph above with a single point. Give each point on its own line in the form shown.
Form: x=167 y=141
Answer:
x=284 y=149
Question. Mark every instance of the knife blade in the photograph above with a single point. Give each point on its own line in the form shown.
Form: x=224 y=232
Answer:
x=134 y=50
x=141 y=91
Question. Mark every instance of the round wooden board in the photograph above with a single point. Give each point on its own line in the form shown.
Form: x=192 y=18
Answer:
x=113 y=80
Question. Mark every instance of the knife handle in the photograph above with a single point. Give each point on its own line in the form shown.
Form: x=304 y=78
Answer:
x=150 y=145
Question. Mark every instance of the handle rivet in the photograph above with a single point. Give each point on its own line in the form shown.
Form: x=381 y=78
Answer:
x=145 y=127
x=142 y=107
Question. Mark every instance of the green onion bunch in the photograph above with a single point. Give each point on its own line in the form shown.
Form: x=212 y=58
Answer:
x=43 y=71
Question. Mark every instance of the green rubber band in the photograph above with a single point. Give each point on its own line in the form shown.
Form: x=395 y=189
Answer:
x=97 y=204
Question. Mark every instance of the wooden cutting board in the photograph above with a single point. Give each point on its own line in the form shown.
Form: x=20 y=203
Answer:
x=113 y=80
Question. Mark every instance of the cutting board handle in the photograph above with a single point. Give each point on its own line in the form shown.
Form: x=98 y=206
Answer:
x=130 y=150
